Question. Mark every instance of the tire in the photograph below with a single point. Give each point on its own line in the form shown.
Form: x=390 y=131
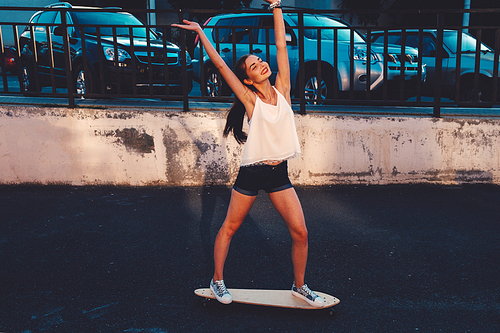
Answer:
x=312 y=88
x=467 y=92
x=27 y=79
x=83 y=81
x=212 y=88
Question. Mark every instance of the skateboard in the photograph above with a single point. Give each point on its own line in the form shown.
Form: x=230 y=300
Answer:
x=274 y=298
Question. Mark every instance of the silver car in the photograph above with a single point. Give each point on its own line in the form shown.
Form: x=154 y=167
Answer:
x=449 y=61
x=236 y=37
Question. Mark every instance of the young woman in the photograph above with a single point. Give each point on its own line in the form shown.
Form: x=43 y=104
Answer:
x=271 y=141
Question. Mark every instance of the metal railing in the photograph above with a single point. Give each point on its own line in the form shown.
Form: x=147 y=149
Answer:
x=148 y=78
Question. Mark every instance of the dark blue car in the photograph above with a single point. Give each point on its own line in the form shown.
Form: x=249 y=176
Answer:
x=103 y=34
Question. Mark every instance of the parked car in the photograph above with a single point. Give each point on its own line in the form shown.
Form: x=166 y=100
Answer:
x=9 y=60
x=100 y=53
x=449 y=61
x=243 y=34
x=410 y=69
x=254 y=40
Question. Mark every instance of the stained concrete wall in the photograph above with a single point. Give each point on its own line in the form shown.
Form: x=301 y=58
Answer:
x=158 y=147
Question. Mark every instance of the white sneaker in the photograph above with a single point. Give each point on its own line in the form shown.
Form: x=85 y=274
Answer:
x=219 y=289
x=307 y=295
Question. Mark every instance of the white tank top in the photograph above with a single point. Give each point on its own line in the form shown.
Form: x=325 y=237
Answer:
x=272 y=135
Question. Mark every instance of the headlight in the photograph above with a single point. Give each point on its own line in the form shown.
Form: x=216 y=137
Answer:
x=188 y=59
x=362 y=55
x=109 y=54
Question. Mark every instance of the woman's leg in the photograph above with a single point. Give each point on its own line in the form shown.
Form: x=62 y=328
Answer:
x=288 y=205
x=239 y=206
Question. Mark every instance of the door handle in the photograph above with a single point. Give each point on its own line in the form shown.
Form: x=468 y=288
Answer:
x=225 y=50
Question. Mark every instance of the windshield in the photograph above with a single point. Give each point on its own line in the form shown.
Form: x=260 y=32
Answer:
x=95 y=19
x=468 y=42
x=317 y=21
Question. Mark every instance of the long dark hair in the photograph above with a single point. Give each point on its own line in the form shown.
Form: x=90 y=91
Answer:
x=236 y=114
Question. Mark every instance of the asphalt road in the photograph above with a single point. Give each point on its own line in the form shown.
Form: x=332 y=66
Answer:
x=414 y=258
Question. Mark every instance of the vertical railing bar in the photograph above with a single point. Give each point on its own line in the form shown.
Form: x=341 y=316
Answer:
x=335 y=65
x=351 y=66
x=385 y=64
x=150 y=61
x=419 y=63
x=132 y=61
x=100 y=58
x=368 y=63
x=18 y=52
x=402 y=69
x=219 y=79
x=51 y=60
x=495 y=65
x=185 y=96
x=166 y=70
x=318 y=65
x=117 y=68
x=2 y=65
x=203 y=88
x=458 y=66
x=86 y=68
x=439 y=68
x=35 y=60
x=268 y=46
x=67 y=59
x=477 y=65
x=301 y=84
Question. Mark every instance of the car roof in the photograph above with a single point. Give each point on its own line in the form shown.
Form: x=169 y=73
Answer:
x=232 y=15
x=407 y=30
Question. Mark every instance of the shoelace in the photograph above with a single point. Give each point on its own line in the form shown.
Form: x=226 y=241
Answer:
x=221 y=288
x=306 y=291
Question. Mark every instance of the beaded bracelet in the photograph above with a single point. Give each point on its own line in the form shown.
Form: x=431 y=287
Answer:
x=274 y=5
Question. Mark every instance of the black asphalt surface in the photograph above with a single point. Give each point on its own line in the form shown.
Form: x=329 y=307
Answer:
x=412 y=258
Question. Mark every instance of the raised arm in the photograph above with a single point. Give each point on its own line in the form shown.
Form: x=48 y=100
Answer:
x=245 y=95
x=283 y=78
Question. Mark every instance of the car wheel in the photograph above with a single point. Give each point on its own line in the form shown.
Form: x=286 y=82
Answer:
x=467 y=92
x=212 y=88
x=27 y=79
x=83 y=81
x=312 y=89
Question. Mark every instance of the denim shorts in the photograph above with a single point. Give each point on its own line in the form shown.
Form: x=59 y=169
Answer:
x=270 y=178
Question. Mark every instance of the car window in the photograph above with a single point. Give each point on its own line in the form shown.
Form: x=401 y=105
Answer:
x=96 y=19
x=428 y=44
x=267 y=21
x=391 y=39
x=468 y=42
x=223 y=32
x=44 y=18
x=328 y=23
x=57 y=21
x=244 y=27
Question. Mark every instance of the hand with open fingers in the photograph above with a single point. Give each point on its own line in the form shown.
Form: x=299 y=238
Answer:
x=271 y=1
x=188 y=25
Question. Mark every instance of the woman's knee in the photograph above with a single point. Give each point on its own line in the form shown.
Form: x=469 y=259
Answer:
x=299 y=235
x=229 y=228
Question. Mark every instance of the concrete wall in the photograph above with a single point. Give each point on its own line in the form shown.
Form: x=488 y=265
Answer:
x=152 y=147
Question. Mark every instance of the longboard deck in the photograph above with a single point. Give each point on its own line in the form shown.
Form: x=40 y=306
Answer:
x=275 y=298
